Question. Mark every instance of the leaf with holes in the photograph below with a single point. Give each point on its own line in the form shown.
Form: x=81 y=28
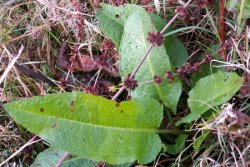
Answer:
x=93 y=127
x=133 y=47
x=211 y=91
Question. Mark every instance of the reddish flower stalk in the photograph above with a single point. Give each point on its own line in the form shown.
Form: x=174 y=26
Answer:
x=148 y=51
x=79 y=27
x=222 y=28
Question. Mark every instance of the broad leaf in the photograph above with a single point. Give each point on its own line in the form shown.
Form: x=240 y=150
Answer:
x=112 y=20
x=93 y=127
x=206 y=69
x=211 y=91
x=176 y=51
x=178 y=146
x=51 y=156
x=133 y=47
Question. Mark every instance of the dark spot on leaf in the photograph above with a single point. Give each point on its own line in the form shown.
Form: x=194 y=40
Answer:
x=117 y=104
x=226 y=78
x=121 y=111
x=83 y=140
x=41 y=109
x=72 y=106
x=54 y=126
x=117 y=16
x=161 y=101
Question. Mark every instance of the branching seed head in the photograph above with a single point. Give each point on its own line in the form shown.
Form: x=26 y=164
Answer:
x=107 y=45
x=155 y=38
x=180 y=72
x=158 y=79
x=207 y=58
x=196 y=66
x=188 y=68
x=130 y=83
x=181 y=10
x=91 y=89
x=170 y=77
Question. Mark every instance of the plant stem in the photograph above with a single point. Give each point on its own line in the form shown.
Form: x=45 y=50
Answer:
x=118 y=93
x=59 y=163
x=170 y=117
x=242 y=4
x=148 y=51
x=174 y=132
x=222 y=28
x=142 y=61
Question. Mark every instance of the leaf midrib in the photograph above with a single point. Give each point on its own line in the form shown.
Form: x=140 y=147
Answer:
x=150 y=66
x=88 y=124
x=155 y=85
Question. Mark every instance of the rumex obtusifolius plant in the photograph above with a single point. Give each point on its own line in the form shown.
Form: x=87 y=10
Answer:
x=102 y=130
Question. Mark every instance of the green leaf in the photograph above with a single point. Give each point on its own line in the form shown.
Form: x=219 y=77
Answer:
x=93 y=127
x=232 y=5
x=200 y=140
x=206 y=69
x=112 y=20
x=133 y=47
x=247 y=9
x=178 y=146
x=51 y=156
x=211 y=91
x=176 y=51
x=123 y=165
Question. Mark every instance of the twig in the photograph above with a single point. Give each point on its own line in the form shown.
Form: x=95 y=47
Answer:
x=118 y=93
x=12 y=63
x=59 y=163
x=148 y=51
x=142 y=61
x=31 y=73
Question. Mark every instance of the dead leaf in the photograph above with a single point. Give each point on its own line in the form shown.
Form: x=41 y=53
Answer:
x=85 y=64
